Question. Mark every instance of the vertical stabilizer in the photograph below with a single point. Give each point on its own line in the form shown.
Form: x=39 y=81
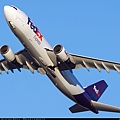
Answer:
x=96 y=90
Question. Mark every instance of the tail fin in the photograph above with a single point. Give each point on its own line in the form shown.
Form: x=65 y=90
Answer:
x=96 y=90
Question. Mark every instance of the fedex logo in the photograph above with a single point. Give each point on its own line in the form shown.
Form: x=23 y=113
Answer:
x=66 y=53
x=96 y=91
x=35 y=29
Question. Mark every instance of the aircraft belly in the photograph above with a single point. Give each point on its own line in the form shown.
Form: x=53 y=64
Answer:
x=68 y=85
x=57 y=82
x=73 y=84
x=35 y=54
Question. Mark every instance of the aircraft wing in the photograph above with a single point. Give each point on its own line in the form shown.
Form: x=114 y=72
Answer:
x=78 y=61
x=87 y=62
x=24 y=60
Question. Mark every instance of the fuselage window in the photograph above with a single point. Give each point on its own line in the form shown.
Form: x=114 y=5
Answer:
x=14 y=7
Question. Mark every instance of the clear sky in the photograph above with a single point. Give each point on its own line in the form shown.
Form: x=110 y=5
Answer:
x=85 y=27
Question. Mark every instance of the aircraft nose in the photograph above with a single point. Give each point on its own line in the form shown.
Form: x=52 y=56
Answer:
x=6 y=11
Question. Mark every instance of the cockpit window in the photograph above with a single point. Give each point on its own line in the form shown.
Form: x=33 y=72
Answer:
x=14 y=7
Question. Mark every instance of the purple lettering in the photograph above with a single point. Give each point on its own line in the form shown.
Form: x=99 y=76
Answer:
x=29 y=21
x=32 y=26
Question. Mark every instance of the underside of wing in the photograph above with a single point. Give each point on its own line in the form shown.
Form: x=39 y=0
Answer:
x=22 y=60
x=99 y=64
x=77 y=61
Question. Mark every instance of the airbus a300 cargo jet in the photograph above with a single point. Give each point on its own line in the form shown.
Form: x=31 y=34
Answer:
x=55 y=62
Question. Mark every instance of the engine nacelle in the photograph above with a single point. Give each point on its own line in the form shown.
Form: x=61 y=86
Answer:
x=7 y=53
x=61 y=53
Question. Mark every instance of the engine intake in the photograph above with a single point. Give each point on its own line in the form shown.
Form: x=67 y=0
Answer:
x=7 y=53
x=61 y=53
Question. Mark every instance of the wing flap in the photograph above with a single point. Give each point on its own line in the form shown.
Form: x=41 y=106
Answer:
x=118 y=70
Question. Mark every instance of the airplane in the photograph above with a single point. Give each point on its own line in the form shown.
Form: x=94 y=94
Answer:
x=55 y=62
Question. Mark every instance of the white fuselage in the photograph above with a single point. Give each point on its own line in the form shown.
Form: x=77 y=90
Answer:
x=36 y=45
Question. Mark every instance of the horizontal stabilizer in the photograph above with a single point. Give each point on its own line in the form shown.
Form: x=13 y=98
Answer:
x=105 y=107
x=98 y=106
x=77 y=108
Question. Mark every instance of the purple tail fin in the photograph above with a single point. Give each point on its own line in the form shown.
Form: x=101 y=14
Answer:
x=96 y=90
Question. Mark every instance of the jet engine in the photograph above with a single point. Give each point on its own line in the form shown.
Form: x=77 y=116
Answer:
x=61 y=53
x=7 y=53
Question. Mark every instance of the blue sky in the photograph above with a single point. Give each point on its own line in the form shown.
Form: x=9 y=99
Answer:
x=84 y=27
